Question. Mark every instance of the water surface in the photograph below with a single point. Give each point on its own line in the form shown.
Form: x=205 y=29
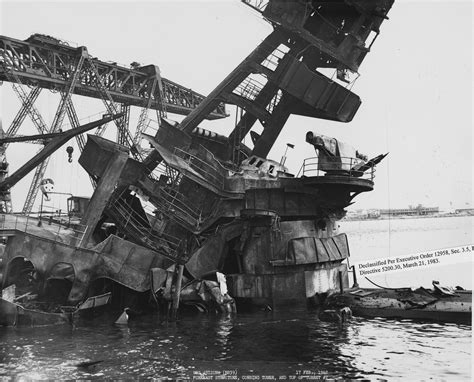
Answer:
x=264 y=344
x=268 y=343
x=373 y=239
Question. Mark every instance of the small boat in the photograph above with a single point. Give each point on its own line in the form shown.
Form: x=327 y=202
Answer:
x=34 y=314
x=420 y=304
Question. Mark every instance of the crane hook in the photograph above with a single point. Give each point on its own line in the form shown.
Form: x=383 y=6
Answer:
x=69 y=151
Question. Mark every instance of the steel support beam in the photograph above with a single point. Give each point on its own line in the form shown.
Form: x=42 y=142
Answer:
x=47 y=62
x=102 y=193
x=273 y=127
x=121 y=137
x=230 y=82
x=74 y=120
x=49 y=149
x=113 y=109
x=27 y=104
x=248 y=119
x=56 y=125
x=23 y=112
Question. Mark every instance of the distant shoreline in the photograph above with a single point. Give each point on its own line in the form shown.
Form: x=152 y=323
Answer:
x=407 y=217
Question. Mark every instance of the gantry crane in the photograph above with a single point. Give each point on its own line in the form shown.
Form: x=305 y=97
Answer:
x=44 y=62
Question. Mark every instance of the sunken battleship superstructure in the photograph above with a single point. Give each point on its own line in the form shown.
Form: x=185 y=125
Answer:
x=226 y=223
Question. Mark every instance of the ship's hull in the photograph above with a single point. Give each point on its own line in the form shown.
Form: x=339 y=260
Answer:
x=420 y=304
x=14 y=314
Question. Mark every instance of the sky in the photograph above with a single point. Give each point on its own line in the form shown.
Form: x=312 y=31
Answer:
x=415 y=86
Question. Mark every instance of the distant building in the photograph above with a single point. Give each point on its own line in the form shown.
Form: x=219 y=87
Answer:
x=355 y=215
x=363 y=214
x=464 y=211
x=410 y=211
x=373 y=214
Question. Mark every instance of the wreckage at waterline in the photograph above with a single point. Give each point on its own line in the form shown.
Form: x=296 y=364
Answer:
x=197 y=219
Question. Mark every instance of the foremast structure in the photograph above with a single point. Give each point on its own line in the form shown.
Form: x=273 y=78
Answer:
x=220 y=206
x=272 y=234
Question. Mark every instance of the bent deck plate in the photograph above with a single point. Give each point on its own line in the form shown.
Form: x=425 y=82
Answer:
x=13 y=314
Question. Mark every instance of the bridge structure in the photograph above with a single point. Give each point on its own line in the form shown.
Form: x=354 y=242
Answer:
x=44 y=62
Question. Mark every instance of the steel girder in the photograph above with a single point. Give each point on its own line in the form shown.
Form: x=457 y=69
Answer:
x=47 y=62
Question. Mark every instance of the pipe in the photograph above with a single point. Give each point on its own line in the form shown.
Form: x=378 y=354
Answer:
x=177 y=291
x=354 y=276
x=341 y=286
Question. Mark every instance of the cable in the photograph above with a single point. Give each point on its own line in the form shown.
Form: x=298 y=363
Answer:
x=379 y=286
x=389 y=214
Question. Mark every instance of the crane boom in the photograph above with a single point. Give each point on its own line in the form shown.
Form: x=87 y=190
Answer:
x=59 y=140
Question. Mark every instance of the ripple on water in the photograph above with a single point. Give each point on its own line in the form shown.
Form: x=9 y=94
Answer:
x=265 y=343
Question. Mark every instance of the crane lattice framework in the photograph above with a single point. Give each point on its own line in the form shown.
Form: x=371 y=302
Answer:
x=43 y=62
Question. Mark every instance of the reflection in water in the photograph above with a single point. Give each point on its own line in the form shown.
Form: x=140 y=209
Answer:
x=223 y=342
x=264 y=344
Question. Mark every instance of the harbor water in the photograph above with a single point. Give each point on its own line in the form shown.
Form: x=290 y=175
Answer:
x=265 y=345
x=376 y=239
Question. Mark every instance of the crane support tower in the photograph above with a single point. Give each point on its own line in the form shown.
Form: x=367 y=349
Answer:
x=44 y=62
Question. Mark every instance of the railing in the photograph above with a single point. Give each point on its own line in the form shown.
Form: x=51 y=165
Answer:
x=133 y=224
x=38 y=226
x=273 y=59
x=82 y=121
x=176 y=206
x=50 y=214
x=211 y=173
x=249 y=88
x=337 y=166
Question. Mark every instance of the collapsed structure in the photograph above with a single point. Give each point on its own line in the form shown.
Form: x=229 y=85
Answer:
x=219 y=206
